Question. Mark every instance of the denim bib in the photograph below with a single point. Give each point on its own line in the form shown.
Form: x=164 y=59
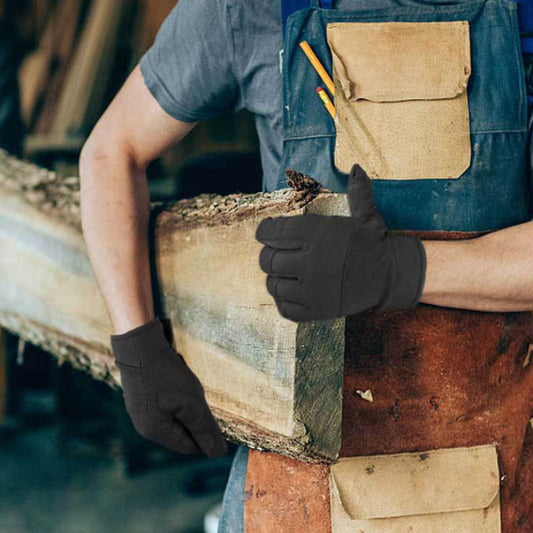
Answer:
x=493 y=192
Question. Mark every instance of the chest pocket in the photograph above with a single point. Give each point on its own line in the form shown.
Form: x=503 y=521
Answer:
x=401 y=98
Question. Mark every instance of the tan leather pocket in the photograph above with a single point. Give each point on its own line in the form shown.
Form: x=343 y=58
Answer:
x=454 y=490
x=401 y=98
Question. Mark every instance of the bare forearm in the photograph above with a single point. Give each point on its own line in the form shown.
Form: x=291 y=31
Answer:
x=115 y=213
x=490 y=273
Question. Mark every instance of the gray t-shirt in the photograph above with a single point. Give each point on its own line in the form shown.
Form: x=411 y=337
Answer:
x=212 y=56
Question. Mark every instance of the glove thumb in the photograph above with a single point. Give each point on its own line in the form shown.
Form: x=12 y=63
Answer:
x=361 y=199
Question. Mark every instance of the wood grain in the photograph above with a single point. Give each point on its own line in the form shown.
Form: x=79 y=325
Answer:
x=273 y=384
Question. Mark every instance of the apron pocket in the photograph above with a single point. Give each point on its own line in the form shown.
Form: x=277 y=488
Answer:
x=441 y=491
x=401 y=98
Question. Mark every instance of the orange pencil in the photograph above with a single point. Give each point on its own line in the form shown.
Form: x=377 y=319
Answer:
x=304 y=45
x=327 y=102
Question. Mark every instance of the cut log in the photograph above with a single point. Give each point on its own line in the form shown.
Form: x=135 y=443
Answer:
x=272 y=384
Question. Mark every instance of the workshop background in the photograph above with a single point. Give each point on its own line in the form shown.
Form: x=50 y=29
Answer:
x=70 y=461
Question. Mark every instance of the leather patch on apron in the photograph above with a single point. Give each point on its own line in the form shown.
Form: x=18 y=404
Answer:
x=444 y=378
x=401 y=98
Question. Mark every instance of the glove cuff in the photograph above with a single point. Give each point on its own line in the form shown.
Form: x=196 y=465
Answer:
x=409 y=271
x=147 y=338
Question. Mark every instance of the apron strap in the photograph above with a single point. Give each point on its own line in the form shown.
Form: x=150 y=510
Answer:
x=288 y=7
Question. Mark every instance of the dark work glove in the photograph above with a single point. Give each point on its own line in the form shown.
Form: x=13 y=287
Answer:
x=324 y=267
x=164 y=398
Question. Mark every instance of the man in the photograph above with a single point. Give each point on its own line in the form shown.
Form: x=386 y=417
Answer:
x=212 y=56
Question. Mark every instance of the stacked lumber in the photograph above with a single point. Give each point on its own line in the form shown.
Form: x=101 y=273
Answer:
x=273 y=384
x=89 y=71
x=64 y=82
x=84 y=54
x=42 y=71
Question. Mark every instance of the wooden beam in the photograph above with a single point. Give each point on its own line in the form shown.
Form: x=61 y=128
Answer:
x=273 y=384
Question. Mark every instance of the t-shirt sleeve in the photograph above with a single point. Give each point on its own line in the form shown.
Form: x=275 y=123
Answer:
x=190 y=67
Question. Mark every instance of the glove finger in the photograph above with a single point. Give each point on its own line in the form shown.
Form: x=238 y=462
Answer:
x=281 y=243
x=192 y=414
x=361 y=199
x=269 y=229
x=163 y=430
x=292 y=311
x=273 y=261
x=212 y=444
x=289 y=290
x=204 y=428
x=185 y=440
x=182 y=441
x=170 y=401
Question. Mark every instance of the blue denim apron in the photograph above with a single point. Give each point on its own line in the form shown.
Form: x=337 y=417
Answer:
x=493 y=193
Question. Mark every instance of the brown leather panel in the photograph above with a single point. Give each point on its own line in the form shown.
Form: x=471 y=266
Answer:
x=283 y=495
x=441 y=378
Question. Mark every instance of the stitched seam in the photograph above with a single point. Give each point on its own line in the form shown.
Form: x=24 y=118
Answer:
x=302 y=137
x=371 y=13
x=143 y=384
x=499 y=131
x=392 y=280
x=341 y=288
x=125 y=365
x=421 y=260
x=234 y=65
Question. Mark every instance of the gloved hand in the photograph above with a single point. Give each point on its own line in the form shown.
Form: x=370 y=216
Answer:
x=164 y=398
x=324 y=267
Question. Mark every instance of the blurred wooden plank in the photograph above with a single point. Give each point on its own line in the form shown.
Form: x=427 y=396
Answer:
x=273 y=384
x=43 y=70
x=90 y=68
x=35 y=145
x=152 y=13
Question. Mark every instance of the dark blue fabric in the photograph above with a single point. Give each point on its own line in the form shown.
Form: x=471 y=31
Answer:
x=494 y=192
x=525 y=15
x=232 y=513
x=288 y=7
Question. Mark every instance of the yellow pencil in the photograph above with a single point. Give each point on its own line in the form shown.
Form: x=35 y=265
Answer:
x=327 y=102
x=304 y=45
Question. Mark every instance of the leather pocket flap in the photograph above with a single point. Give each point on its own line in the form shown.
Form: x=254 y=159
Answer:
x=438 y=481
x=394 y=61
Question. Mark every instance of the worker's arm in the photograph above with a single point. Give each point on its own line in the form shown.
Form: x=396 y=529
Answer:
x=164 y=398
x=490 y=273
x=323 y=267
x=115 y=208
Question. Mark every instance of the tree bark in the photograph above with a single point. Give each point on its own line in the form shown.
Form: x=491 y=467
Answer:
x=272 y=384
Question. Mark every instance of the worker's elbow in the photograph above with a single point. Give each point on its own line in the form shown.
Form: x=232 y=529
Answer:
x=100 y=154
x=92 y=151
x=96 y=151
